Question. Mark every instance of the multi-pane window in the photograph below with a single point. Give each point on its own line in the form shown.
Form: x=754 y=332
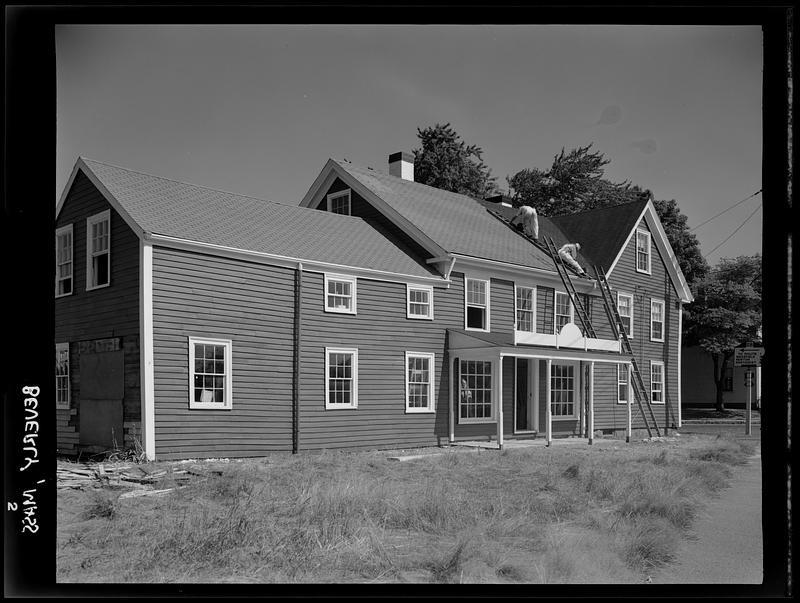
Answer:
x=656 y=382
x=419 y=302
x=340 y=294
x=419 y=382
x=477 y=304
x=623 y=383
x=563 y=311
x=62 y=375
x=643 y=251
x=98 y=250
x=341 y=378
x=210 y=373
x=625 y=308
x=339 y=203
x=475 y=391
x=562 y=390
x=64 y=260
x=656 y=320
x=525 y=304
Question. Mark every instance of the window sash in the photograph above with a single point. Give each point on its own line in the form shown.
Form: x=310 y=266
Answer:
x=563 y=311
x=625 y=308
x=656 y=383
x=339 y=203
x=64 y=257
x=475 y=391
x=419 y=381
x=476 y=304
x=657 y=320
x=642 y=251
x=98 y=250
x=340 y=294
x=623 y=383
x=341 y=378
x=563 y=390
x=210 y=378
x=419 y=302
x=525 y=309
x=62 y=375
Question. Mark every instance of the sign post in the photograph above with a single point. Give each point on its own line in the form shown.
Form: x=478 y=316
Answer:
x=748 y=357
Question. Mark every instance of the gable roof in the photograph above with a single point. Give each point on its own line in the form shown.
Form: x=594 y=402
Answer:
x=160 y=206
x=452 y=222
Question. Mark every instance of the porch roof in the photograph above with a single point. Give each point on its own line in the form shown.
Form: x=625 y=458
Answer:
x=471 y=342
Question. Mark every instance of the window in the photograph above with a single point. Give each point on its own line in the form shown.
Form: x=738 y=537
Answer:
x=625 y=307
x=562 y=390
x=64 y=261
x=563 y=311
x=475 y=392
x=341 y=378
x=623 y=383
x=525 y=297
x=477 y=304
x=419 y=302
x=62 y=375
x=340 y=294
x=339 y=203
x=656 y=382
x=98 y=250
x=210 y=376
x=656 y=320
x=643 y=251
x=419 y=382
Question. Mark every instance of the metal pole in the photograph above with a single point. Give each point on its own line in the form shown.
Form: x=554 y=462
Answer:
x=749 y=416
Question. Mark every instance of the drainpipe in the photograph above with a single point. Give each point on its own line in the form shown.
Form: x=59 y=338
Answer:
x=298 y=291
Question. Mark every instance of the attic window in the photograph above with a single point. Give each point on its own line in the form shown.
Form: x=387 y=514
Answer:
x=339 y=203
x=643 y=251
x=64 y=261
x=98 y=250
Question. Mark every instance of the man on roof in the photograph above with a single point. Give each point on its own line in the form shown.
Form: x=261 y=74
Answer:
x=526 y=216
x=569 y=254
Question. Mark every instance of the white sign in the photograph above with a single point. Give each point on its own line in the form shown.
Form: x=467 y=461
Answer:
x=747 y=356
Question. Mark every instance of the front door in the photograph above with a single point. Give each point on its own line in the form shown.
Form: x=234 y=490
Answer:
x=523 y=403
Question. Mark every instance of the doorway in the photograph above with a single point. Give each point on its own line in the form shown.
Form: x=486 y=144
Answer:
x=525 y=396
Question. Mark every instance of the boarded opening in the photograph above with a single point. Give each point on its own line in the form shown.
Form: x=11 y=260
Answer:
x=102 y=387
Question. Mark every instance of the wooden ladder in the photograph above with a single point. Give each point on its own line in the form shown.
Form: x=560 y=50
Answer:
x=561 y=268
x=618 y=328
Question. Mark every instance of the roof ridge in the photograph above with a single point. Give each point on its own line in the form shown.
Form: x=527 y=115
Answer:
x=605 y=208
x=216 y=190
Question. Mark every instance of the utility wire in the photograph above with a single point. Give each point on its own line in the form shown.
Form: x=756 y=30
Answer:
x=725 y=210
x=735 y=231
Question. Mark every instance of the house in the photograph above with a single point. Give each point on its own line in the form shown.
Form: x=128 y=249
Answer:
x=698 y=368
x=378 y=313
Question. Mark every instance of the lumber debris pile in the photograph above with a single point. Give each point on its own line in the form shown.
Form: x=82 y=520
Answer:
x=138 y=478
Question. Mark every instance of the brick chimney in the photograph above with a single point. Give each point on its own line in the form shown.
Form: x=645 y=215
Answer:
x=402 y=165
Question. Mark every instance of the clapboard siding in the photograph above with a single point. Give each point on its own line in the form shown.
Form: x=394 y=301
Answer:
x=645 y=287
x=251 y=304
x=109 y=312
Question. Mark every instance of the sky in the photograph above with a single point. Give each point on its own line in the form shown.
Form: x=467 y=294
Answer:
x=258 y=109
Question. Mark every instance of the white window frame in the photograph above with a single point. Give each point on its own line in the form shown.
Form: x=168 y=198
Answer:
x=645 y=233
x=492 y=376
x=517 y=309
x=227 y=403
x=431 y=408
x=59 y=233
x=576 y=375
x=90 y=221
x=627 y=383
x=341 y=278
x=630 y=297
x=344 y=193
x=354 y=378
x=654 y=363
x=487 y=307
x=658 y=302
x=64 y=404
x=555 y=308
x=426 y=288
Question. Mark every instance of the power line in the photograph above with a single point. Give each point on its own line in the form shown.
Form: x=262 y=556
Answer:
x=725 y=210
x=735 y=231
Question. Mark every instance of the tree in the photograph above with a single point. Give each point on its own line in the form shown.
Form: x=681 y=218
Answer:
x=447 y=162
x=575 y=183
x=726 y=313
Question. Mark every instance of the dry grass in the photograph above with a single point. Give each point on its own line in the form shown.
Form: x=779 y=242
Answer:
x=559 y=515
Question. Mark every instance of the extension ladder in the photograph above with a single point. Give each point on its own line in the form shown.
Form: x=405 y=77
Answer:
x=618 y=328
x=561 y=268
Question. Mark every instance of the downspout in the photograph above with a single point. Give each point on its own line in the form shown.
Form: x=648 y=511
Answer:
x=298 y=296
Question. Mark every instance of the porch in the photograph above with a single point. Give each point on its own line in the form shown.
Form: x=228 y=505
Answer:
x=500 y=389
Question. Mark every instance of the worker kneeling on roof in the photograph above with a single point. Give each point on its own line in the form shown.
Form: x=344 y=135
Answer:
x=569 y=253
x=526 y=216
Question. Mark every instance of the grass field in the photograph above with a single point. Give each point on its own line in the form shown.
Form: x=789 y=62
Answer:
x=609 y=513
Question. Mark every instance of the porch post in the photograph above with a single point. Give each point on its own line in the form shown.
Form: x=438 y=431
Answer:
x=591 y=402
x=582 y=404
x=630 y=402
x=454 y=379
x=548 y=405
x=500 y=402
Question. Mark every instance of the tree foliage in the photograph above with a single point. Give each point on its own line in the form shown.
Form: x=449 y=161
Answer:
x=726 y=312
x=575 y=182
x=447 y=162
